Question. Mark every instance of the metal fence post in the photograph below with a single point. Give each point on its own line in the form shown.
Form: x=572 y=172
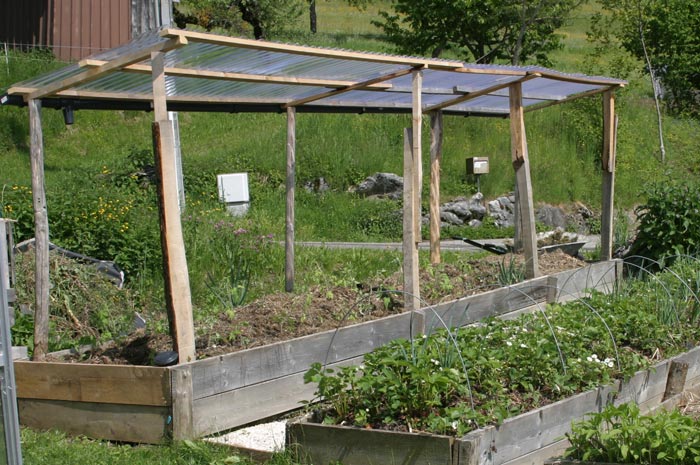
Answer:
x=8 y=388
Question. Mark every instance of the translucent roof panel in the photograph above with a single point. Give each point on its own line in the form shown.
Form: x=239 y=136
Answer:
x=214 y=71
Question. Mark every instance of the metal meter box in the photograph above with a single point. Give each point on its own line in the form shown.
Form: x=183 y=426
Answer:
x=478 y=165
x=233 y=191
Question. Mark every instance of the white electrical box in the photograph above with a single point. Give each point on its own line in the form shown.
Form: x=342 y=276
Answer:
x=233 y=191
x=478 y=165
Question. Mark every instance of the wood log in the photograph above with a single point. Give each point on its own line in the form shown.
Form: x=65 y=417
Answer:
x=290 y=187
x=521 y=164
x=41 y=233
x=436 y=138
x=608 y=182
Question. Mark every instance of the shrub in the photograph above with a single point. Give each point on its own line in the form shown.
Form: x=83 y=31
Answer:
x=669 y=222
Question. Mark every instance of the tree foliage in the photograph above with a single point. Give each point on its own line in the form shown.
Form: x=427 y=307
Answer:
x=669 y=32
x=266 y=17
x=485 y=31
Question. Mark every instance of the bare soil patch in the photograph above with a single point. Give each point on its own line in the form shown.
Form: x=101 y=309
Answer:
x=283 y=316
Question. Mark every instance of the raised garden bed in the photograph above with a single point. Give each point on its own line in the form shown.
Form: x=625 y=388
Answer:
x=530 y=438
x=149 y=404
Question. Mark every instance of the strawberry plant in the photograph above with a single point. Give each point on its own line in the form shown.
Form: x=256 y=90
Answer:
x=453 y=381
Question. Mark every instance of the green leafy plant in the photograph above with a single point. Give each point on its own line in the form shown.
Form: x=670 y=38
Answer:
x=453 y=381
x=669 y=221
x=621 y=434
x=510 y=273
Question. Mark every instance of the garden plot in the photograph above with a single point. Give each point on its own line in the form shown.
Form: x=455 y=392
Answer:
x=505 y=392
x=219 y=393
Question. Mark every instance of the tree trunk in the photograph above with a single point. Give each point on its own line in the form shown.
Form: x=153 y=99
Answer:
x=250 y=16
x=312 y=16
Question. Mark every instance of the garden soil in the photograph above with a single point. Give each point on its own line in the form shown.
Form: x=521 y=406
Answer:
x=284 y=316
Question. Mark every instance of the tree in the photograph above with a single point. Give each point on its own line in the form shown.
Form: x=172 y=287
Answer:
x=266 y=17
x=486 y=30
x=665 y=34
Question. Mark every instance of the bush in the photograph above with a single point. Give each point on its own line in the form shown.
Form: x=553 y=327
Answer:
x=669 y=222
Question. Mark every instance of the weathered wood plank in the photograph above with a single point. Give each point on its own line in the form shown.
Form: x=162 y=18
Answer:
x=41 y=233
x=131 y=423
x=354 y=446
x=182 y=402
x=608 y=174
x=492 y=303
x=573 y=284
x=178 y=297
x=290 y=190
x=253 y=403
x=114 y=384
x=521 y=165
x=248 y=367
x=436 y=138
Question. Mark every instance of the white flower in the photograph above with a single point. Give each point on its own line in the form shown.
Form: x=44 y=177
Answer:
x=454 y=425
x=589 y=359
x=508 y=343
x=436 y=362
x=523 y=346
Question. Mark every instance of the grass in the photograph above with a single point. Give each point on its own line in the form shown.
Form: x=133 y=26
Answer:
x=41 y=448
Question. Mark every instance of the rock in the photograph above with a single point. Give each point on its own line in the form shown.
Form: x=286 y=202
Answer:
x=460 y=208
x=478 y=211
x=318 y=185
x=494 y=206
x=381 y=184
x=551 y=216
x=475 y=223
x=450 y=218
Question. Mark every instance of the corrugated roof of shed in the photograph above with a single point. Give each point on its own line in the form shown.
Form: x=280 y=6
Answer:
x=206 y=72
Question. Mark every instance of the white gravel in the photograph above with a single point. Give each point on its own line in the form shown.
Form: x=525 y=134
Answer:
x=266 y=437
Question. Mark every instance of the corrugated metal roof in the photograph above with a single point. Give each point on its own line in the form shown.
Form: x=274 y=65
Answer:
x=218 y=73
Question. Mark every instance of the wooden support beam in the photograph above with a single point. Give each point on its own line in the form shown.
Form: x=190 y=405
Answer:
x=178 y=298
x=243 y=77
x=160 y=104
x=432 y=63
x=356 y=86
x=410 y=249
x=436 y=137
x=417 y=123
x=41 y=233
x=479 y=93
x=539 y=106
x=411 y=200
x=521 y=164
x=290 y=185
x=608 y=182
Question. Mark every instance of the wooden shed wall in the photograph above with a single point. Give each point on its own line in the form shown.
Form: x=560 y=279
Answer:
x=74 y=29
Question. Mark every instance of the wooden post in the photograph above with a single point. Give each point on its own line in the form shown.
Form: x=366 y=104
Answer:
x=178 y=299
x=41 y=233
x=182 y=400
x=608 y=184
x=417 y=134
x=410 y=249
x=291 y=174
x=521 y=164
x=435 y=161
x=411 y=200
x=517 y=222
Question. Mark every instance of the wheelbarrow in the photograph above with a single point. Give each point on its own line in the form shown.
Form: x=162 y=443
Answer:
x=493 y=248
